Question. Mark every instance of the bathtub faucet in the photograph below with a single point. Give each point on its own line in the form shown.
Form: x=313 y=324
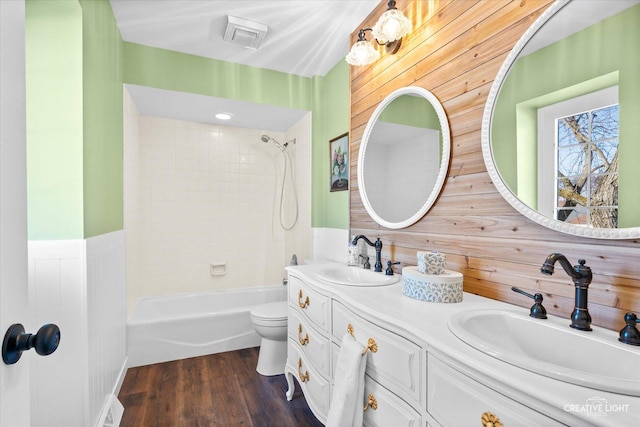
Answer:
x=377 y=245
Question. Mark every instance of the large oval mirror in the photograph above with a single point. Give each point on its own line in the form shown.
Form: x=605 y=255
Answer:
x=403 y=158
x=560 y=129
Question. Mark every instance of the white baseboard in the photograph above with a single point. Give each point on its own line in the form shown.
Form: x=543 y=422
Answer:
x=111 y=413
x=121 y=375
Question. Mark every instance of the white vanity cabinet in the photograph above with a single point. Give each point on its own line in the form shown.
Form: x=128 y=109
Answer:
x=454 y=399
x=394 y=362
x=312 y=304
x=313 y=344
x=384 y=408
x=418 y=373
x=316 y=326
x=309 y=346
x=393 y=372
x=314 y=385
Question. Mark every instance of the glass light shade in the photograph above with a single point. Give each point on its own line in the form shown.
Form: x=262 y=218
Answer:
x=362 y=53
x=391 y=26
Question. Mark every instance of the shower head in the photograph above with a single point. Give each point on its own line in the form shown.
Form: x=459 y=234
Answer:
x=267 y=138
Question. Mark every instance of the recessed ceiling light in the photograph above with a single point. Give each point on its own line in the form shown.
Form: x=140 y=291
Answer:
x=224 y=116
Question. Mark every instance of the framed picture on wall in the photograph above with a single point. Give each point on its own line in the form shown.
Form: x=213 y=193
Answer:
x=339 y=162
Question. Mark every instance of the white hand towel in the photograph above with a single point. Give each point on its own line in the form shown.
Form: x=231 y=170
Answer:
x=347 y=402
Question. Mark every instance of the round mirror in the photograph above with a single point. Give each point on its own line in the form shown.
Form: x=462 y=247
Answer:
x=560 y=129
x=403 y=158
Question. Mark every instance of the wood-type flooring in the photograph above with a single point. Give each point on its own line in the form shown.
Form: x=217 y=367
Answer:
x=221 y=389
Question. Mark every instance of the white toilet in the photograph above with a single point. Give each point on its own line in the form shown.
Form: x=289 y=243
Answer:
x=270 y=322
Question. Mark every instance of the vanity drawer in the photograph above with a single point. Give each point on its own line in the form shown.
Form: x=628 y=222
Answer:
x=453 y=399
x=312 y=304
x=396 y=363
x=389 y=410
x=315 y=387
x=313 y=345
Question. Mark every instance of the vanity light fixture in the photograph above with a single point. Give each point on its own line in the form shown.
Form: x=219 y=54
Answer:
x=388 y=31
x=362 y=53
x=391 y=27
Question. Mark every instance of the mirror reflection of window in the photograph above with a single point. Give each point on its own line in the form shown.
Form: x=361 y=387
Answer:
x=578 y=159
x=587 y=180
x=578 y=48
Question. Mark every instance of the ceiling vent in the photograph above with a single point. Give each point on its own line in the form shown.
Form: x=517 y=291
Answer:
x=243 y=32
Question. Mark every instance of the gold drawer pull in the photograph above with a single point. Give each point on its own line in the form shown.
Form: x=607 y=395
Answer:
x=304 y=378
x=490 y=420
x=305 y=340
x=371 y=403
x=372 y=345
x=304 y=304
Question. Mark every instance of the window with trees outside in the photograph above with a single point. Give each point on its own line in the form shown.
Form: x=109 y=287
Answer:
x=585 y=172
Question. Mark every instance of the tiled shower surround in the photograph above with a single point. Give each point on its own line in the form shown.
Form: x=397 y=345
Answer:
x=198 y=194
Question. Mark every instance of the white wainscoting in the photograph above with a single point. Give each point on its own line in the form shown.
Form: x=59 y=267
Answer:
x=106 y=319
x=330 y=244
x=78 y=285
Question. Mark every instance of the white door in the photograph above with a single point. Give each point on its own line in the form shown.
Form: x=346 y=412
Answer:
x=14 y=379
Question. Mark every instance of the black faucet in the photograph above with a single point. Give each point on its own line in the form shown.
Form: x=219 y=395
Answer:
x=377 y=245
x=630 y=334
x=537 y=309
x=389 y=270
x=581 y=275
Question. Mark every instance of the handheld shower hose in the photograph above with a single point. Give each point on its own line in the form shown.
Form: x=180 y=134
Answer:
x=283 y=148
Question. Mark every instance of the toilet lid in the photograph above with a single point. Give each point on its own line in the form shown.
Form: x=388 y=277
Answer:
x=273 y=310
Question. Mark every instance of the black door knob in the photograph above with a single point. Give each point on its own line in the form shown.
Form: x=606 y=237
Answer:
x=45 y=341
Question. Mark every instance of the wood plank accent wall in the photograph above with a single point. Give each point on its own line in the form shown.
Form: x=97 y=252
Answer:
x=455 y=50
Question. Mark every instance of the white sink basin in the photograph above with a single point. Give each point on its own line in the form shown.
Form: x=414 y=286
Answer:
x=550 y=347
x=354 y=276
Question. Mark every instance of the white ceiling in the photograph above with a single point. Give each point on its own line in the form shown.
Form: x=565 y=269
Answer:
x=304 y=37
x=202 y=109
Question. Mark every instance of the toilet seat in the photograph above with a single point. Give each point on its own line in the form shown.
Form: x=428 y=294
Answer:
x=272 y=310
x=270 y=314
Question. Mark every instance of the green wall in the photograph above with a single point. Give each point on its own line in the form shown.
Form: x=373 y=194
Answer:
x=410 y=110
x=165 y=69
x=74 y=119
x=53 y=32
x=597 y=55
x=102 y=119
x=330 y=119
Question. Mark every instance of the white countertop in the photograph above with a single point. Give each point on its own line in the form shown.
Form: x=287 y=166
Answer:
x=427 y=324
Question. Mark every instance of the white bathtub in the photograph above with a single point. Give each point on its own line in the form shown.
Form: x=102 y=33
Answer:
x=180 y=326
